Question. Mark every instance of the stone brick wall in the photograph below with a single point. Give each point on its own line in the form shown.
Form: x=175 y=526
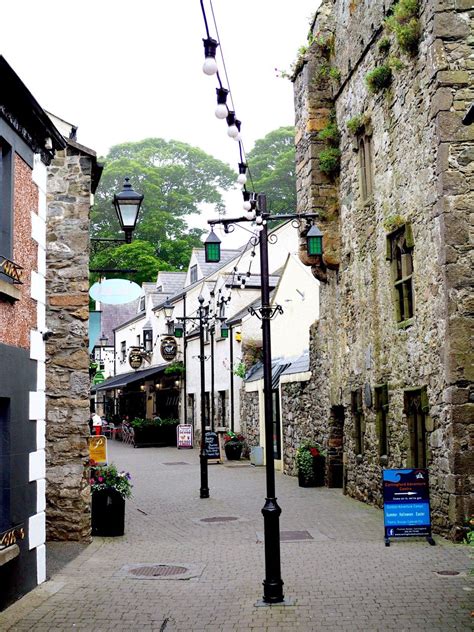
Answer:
x=249 y=417
x=422 y=176
x=68 y=490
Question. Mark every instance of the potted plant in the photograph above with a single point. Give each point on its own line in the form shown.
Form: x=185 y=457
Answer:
x=233 y=444
x=157 y=431
x=109 y=489
x=310 y=461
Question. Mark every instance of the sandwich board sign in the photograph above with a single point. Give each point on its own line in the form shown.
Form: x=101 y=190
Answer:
x=184 y=434
x=406 y=504
x=213 y=447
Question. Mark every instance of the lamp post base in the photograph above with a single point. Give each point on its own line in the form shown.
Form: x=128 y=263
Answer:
x=204 y=489
x=273 y=583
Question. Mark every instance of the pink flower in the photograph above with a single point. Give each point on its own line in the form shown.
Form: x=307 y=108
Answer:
x=100 y=479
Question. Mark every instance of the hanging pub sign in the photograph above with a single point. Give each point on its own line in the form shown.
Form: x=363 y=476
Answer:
x=168 y=348
x=135 y=358
x=98 y=378
x=406 y=501
x=184 y=434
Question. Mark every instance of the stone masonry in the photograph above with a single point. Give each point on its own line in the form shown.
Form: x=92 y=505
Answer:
x=422 y=186
x=67 y=368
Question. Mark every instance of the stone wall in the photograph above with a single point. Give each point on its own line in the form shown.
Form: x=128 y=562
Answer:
x=67 y=370
x=422 y=178
x=249 y=417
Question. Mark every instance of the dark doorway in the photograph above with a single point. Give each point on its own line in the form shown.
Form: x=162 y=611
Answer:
x=336 y=447
x=5 y=510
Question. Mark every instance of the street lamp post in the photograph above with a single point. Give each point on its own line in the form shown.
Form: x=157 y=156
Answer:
x=273 y=583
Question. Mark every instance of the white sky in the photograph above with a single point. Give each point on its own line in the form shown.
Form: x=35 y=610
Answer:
x=125 y=71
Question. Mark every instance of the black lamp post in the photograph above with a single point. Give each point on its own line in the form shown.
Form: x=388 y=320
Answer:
x=127 y=204
x=273 y=583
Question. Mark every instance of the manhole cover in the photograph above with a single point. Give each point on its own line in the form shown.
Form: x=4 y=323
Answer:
x=219 y=519
x=161 y=570
x=448 y=573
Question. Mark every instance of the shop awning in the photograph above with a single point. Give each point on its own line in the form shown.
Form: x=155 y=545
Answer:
x=119 y=381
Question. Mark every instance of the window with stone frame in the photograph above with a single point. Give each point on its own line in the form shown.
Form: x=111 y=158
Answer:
x=400 y=253
x=222 y=411
x=191 y=408
x=381 y=412
x=416 y=410
x=364 y=148
x=358 y=421
x=123 y=351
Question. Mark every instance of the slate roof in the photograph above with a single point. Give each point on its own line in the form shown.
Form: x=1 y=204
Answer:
x=172 y=282
x=209 y=268
x=114 y=315
x=282 y=366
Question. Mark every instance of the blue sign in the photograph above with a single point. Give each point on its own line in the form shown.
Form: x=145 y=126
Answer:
x=115 y=291
x=406 y=503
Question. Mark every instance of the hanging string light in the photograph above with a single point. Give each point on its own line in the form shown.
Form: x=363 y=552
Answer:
x=210 y=49
x=221 y=110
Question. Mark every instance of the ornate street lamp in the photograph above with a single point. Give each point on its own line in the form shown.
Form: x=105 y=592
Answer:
x=127 y=204
x=224 y=330
x=168 y=309
x=273 y=583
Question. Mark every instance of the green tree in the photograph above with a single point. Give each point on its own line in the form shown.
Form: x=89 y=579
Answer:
x=175 y=179
x=272 y=168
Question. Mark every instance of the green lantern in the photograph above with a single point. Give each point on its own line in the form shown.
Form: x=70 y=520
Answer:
x=212 y=248
x=178 y=330
x=224 y=330
x=314 y=241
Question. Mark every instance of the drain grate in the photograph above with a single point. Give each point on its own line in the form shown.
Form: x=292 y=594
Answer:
x=160 y=570
x=447 y=573
x=176 y=463
x=219 y=519
x=289 y=536
x=156 y=571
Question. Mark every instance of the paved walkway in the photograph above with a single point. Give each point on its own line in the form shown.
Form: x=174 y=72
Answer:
x=344 y=578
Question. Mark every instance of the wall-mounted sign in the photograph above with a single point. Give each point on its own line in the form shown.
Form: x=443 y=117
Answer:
x=98 y=450
x=169 y=348
x=185 y=436
x=8 y=538
x=11 y=269
x=115 y=291
x=135 y=358
x=406 y=501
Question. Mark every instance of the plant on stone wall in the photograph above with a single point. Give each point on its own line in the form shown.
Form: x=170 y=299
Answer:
x=240 y=369
x=330 y=161
x=404 y=23
x=330 y=134
x=392 y=222
x=384 y=45
x=357 y=124
x=379 y=78
x=335 y=74
x=395 y=63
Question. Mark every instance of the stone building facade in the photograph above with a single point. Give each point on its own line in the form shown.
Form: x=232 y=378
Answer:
x=72 y=179
x=391 y=381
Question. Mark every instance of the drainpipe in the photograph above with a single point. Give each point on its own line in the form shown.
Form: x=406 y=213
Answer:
x=231 y=337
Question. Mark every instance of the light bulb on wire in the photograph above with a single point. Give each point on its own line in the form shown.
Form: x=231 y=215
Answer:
x=233 y=125
x=242 y=177
x=246 y=205
x=210 y=64
x=221 y=110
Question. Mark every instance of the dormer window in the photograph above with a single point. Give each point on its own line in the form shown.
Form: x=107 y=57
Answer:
x=193 y=274
x=141 y=306
x=148 y=339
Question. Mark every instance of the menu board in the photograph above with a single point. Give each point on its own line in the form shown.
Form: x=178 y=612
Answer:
x=184 y=434
x=213 y=448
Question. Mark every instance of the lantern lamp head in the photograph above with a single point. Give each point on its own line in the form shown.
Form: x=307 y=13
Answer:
x=127 y=205
x=212 y=248
x=168 y=309
x=178 y=330
x=224 y=330
x=314 y=241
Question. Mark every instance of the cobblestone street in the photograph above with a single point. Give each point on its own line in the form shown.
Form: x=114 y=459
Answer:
x=343 y=578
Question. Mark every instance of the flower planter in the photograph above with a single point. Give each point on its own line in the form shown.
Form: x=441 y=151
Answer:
x=316 y=479
x=108 y=513
x=233 y=451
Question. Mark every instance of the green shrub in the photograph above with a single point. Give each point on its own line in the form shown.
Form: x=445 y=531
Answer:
x=330 y=161
x=157 y=422
x=405 y=24
x=384 y=45
x=379 y=78
x=356 y=124
x=329 y=134
x=175 y=368
x=395 y=63
x=335 y=74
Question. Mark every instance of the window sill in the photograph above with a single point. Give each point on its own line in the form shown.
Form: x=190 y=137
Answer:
x=9 y=553
x=404 y=324
x=9 y=292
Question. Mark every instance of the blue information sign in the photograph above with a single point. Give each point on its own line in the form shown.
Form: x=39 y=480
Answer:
x=406 y=504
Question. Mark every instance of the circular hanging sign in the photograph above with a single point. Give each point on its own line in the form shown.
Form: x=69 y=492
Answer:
x=115 y=291
x=169 y=348
x=135 y=358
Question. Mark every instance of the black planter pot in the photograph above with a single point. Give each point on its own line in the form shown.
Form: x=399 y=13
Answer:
x=233 y=451
x=108 y=513
x=316 y=479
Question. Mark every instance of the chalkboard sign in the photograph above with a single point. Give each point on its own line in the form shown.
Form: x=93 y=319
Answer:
x=406 y=504
x=213 y=448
